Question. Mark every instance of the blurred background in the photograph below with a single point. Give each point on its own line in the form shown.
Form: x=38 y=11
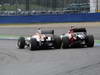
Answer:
x=35 y=7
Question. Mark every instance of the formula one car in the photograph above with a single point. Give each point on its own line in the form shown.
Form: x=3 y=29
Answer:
x=43 y=39
x=77 y=37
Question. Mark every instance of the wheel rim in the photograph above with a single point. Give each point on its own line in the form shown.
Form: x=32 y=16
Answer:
x=19 y=43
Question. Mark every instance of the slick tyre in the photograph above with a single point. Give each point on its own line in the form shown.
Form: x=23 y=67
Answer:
x=33 y=44
x=21 y=43
x=65 y=42
x=90 y=41
x=57 y=42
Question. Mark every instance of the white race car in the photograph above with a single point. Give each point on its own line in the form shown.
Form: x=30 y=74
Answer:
x=40 y=40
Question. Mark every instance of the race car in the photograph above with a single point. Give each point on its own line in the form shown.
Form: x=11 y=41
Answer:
x=77 y=37
x=42 y=39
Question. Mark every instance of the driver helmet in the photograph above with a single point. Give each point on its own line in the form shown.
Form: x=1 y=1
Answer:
x=72 y=26
x=71 y=29
x=39 y=30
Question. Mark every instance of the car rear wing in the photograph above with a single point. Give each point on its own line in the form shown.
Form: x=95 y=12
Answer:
x=79 y=30
x=47 y=32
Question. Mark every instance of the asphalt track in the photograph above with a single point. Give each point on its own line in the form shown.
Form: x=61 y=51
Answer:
x=78 y=61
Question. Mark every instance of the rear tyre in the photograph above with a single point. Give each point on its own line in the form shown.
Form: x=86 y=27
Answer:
x=65 y=42
x=90 y=41
x=57 y=42
x=21 y=43
x=33 y=44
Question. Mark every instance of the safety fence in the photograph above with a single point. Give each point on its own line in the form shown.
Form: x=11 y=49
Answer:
x=83 y=17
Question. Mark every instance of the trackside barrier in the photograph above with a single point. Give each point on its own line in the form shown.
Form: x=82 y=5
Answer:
x=83 y=17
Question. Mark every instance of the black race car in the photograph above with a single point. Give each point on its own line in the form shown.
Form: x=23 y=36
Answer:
x=77 y=37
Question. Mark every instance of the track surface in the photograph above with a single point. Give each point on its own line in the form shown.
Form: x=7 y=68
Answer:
x=79 y=61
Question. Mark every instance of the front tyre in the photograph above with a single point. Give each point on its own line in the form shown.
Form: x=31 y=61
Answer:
x=21 y=43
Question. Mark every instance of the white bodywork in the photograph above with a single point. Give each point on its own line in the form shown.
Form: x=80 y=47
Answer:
x=70 y=35
x=39 y=37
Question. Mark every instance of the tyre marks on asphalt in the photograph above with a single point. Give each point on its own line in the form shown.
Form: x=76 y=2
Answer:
x=85 y=70
x=6 y=58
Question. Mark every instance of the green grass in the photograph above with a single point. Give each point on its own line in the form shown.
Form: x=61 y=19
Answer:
x=9 y=36
x=18 y=24
x=97 y=41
